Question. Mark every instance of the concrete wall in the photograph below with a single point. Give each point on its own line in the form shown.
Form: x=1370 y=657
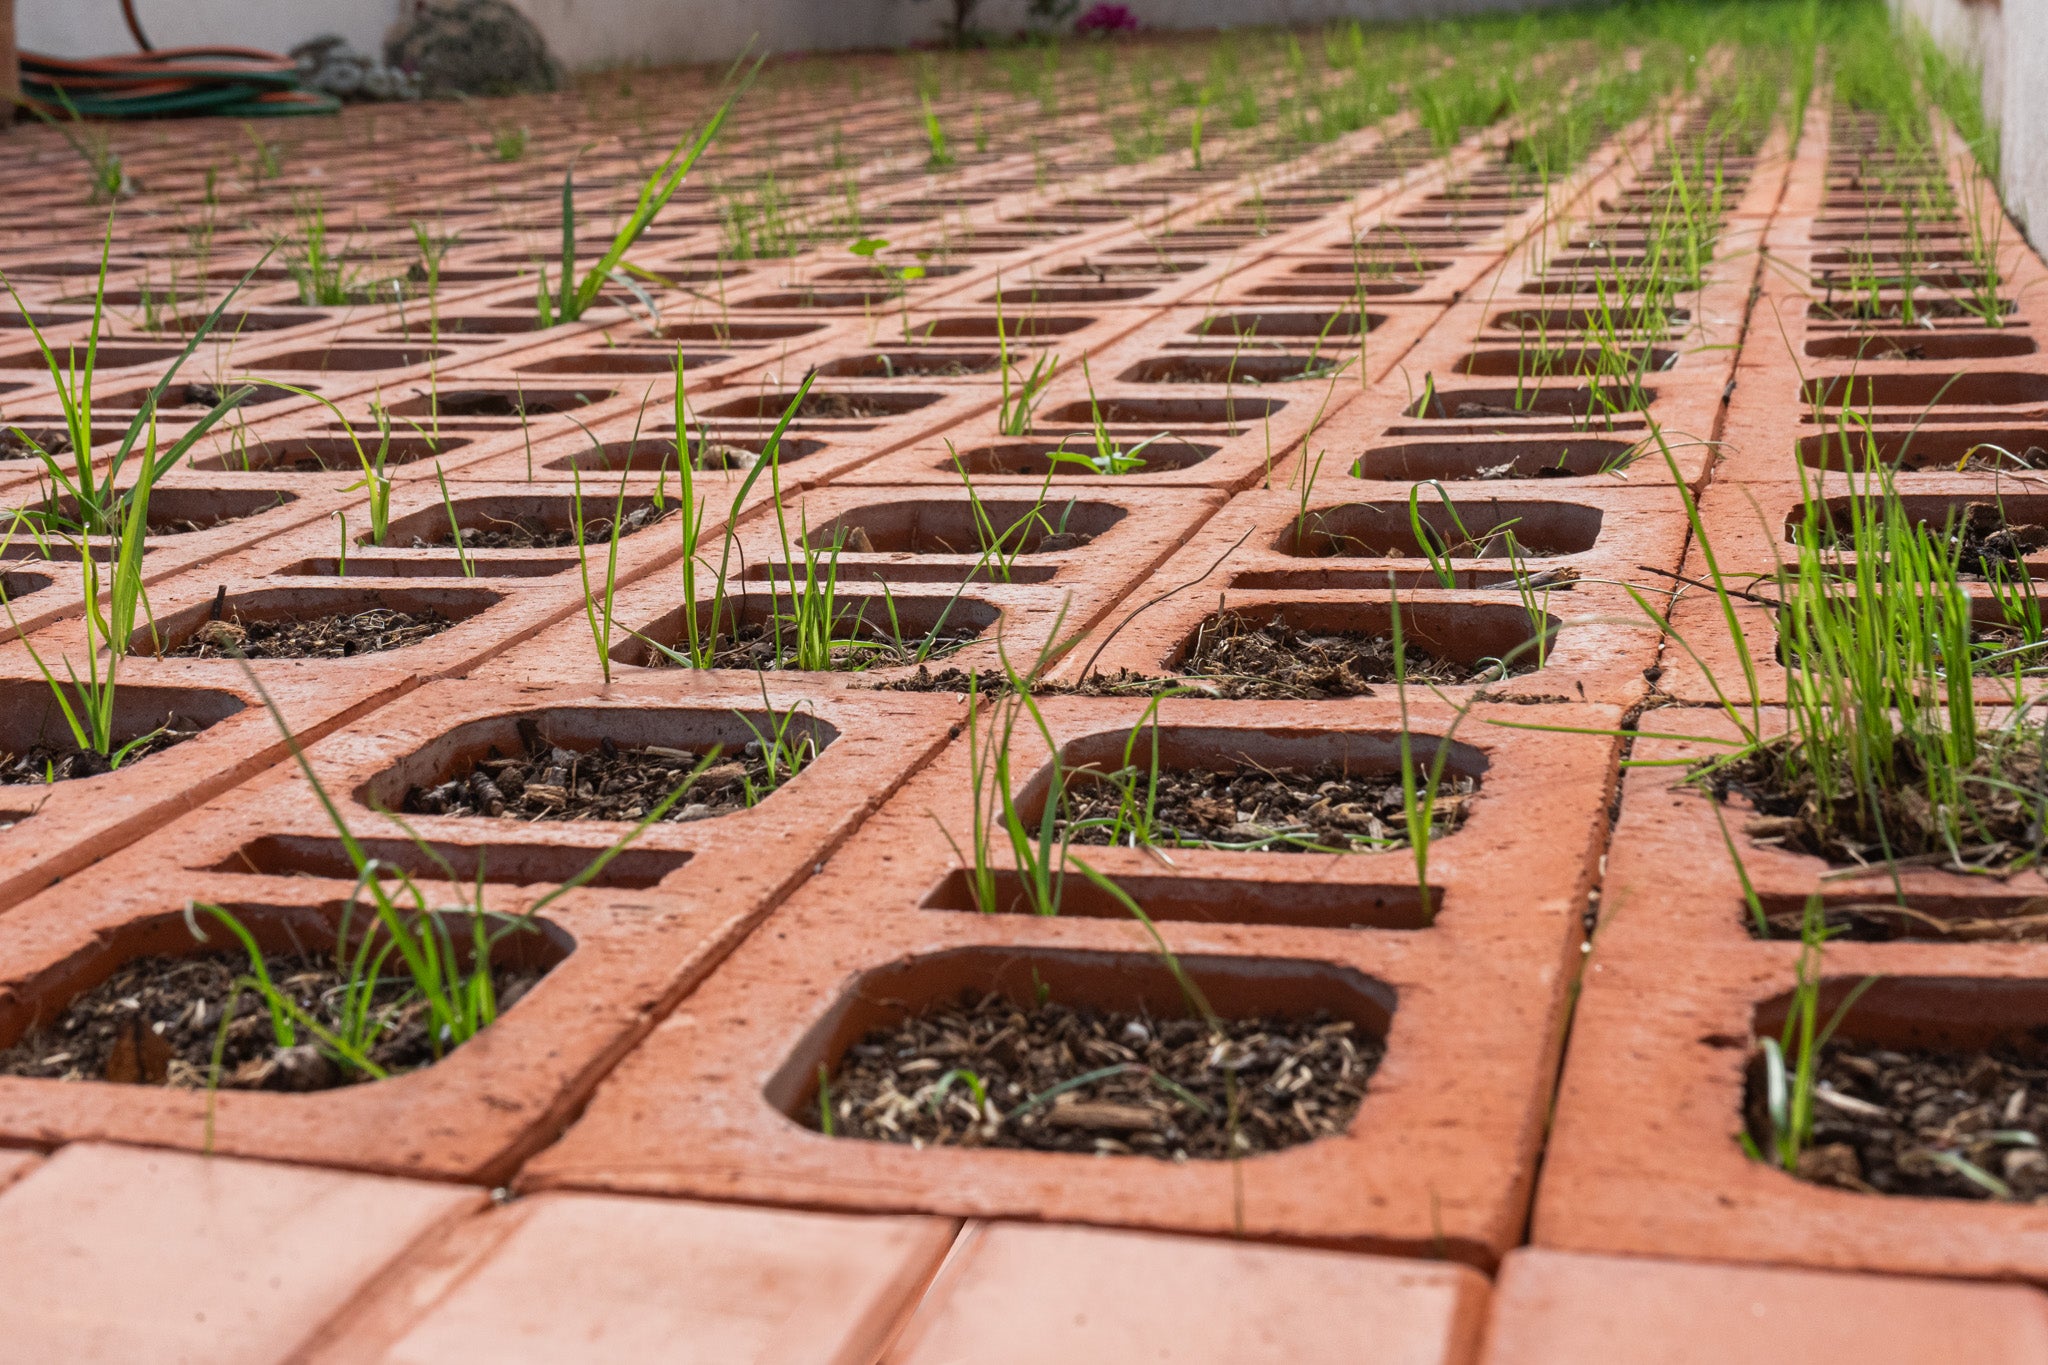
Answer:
x=2009 y=44
x=591 y=33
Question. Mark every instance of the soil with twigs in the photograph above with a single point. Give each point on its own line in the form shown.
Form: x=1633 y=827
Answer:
x=1274 y=810
x=531 y=533
x=43 y=763
x=993 y=682
x=1793 y=810
x=756 y=646
x=1863 y=309
x=338 y=635
x=1879 y=921
x=156 y=1019
x=1925 y=1123
x=547 y=782
x=1985 y=543
x=18 y=445
x=1061 y=1079
x=186 y=526
x=1236 y=658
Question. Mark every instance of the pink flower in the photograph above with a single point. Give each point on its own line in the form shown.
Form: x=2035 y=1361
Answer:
x=1107 y=19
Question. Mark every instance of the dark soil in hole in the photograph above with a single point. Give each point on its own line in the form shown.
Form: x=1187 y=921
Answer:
x=1295 y=1081
x=1883 y=1119
x=1881 y=921
x=338 y=635
x=1030 y=534
x=1275 y=810
x=1987 y=459
x=1236 y=658
x=531 y=533
x=15 y=446
x=154 y=1022
x=993 y=682
x=42 y=763
x=185 y=526
x=1893 y=310
x=1999 y=827
x=1986 y=543
x=756 y=647
x=1274 y=662
x=545 y=782
x=840 y=406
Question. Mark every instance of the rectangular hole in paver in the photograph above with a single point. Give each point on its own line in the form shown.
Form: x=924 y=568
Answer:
x=1026 y=328
x=822 y=298
x=1988 y=389
x=1559 y=321
x=1536 y=361
x=1533 y=400
x=1104 y=268
x=373 y=563
x=913 y=364
x=505 y=402
x=656 y=453
x=1353 y=777
x=324 y=454
x=1996 y=531
x=951 y=526
x=1025 y=295
x=852 y=570
x=197 y=396
x=1291 y=324
x=1465 y=529
x=1166 y=412
x=520 y=521
x=1554 y=457
x=33 y=727
x=1921 y=345
x=530 y=950
x=1877 y=916
x=1330 y=289
x=1211 y=900
x=106 y=356
x=751 y=624
x=310 y=622
x=618 y=756
x=1254 y=368
x=881 y=274
x=1035 y=458
x=621 y=360
x=502 y=863
x=1239 y=989
x=1891 y=308
x=1898 y=1062
x=183 y=511
x=1930 y=448
x=825 y=406
x=1300 y=645
x=481 y=324
x=20 y=438
x=344 y=358
x=739 y=333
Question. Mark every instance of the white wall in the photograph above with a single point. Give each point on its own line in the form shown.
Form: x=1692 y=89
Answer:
x=587 y=33
x=2009 y=44
x=86 y=28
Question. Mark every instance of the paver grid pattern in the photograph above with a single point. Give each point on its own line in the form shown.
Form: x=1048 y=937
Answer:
x=1321 y=349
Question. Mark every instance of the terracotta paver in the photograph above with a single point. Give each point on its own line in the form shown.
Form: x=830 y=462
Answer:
x=575 y=1278
x=1363 y=372
x=1555 y=1308
x=1014 y=1294
x=118 y=1254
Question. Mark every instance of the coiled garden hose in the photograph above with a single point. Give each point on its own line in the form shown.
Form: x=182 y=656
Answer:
x=237 y=82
